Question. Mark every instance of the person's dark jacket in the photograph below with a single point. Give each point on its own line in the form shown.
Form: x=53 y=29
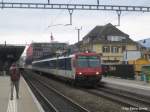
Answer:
x=14 y=73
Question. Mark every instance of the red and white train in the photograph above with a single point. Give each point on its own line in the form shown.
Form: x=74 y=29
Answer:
x=84 y=68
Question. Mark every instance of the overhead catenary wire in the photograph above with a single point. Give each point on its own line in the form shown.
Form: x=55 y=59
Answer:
x=58 y=15
x=86 y=12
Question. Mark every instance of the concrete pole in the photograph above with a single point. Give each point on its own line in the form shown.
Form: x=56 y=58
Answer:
x=70 y=13
x=97 y=2
x=78 y=30
x=48 y=1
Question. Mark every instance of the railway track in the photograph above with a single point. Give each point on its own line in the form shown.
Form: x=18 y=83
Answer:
x=129 y=95
x=51 y=99
x=130 y=101
x=47 y=105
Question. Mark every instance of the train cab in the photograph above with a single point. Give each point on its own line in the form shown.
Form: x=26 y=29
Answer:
x=88 y=67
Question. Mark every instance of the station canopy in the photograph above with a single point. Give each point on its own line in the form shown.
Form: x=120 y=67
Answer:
x=9 y=54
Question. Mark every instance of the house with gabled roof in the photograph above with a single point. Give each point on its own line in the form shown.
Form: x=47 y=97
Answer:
x=108 y=41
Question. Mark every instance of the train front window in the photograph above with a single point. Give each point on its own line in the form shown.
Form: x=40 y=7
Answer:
x=88 y=61
x=82 y=63
x=94 y=62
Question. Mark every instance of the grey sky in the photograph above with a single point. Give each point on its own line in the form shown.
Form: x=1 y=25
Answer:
x=25 y=25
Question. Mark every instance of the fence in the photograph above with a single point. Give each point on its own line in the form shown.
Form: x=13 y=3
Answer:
x=125 y=71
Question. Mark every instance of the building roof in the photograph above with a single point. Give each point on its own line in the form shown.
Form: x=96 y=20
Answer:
x=99 y=34
x=145 y=42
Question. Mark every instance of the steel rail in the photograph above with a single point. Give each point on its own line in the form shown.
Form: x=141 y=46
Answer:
x=74 y=6
x=127 y=96
x=136 y=97
x=128 y=102
x=50 y=106
x=121 y=99
x=108 y=96
x=82 y=109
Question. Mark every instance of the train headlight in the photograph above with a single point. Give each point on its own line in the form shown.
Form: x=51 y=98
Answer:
x=97 y=73
x=80 y=73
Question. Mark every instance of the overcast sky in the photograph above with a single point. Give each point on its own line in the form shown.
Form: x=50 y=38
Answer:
x=21 y=26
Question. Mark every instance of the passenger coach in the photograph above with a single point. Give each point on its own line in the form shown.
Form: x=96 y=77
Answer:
x=79 y=67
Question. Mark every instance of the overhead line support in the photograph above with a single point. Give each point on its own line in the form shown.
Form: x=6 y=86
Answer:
x=70 y=12
x=119 y=14
x=78 y=30
x=48 y=1
x=2 y=4
x=73 y=6
x=97 y=2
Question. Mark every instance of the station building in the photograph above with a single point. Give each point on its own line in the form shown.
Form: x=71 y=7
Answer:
x=8 y=54
x=42 y=50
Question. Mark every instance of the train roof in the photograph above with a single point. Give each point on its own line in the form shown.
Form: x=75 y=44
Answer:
x=68 y=56
x=48 y=59
x=54 y=58
x=87 y=53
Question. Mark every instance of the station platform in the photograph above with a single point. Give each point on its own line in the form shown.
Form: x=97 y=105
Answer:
x=135 y=86
x=26 y=102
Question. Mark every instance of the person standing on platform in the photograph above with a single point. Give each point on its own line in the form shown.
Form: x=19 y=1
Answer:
x=15 y=78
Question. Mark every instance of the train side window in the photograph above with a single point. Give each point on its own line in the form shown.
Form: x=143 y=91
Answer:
x=46 y=64
x=68 y=63
x=61 y=64
x=40 y=65
x=52 y=64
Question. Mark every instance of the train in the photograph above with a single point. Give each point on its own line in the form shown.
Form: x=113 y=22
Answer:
x=82 y=68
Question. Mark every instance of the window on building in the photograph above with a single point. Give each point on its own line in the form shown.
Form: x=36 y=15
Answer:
x=123 y=48
x=86 y=40
x=114 y=49
x=149 y=56
x=106 y=49
x=115 y=38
